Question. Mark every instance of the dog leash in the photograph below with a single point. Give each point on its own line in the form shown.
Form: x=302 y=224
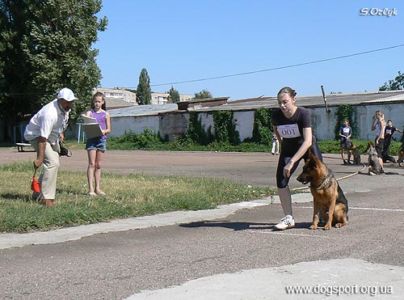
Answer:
x=338 y=179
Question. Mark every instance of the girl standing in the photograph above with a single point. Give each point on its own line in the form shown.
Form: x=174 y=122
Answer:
x=345 y=133
x=379 y=126
x=97 y=146
x=292 y=125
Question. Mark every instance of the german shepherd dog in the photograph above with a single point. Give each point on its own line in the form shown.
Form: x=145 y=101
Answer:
x=400 y=155
x=375 y=168
x=400 y=158
x=329 y=202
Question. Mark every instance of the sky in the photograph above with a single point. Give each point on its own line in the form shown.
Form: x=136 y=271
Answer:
x=274 y=41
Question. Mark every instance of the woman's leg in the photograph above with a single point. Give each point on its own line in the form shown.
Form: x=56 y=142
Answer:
x=342 y=154
x=286 y=200
x=284 y=193
x=91 y=170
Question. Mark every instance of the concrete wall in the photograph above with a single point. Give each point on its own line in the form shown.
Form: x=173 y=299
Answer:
x=173 y=125
x=207 y=122
x=122 y=125
x=324 y=123
x=244 y=123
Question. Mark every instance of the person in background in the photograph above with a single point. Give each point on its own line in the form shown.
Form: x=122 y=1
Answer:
x=44 y=131
x=379 y=125
x=292 y=126
x=97 y=146
x=388 y=134
x=275 y=145
x=345 y=133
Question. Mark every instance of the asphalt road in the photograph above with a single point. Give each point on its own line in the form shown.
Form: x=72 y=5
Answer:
x=203 y=255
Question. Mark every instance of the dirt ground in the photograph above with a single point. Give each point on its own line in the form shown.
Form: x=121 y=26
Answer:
x=250 y=168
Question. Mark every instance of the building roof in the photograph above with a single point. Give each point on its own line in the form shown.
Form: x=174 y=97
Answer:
x=313 y=101
x=117 y=103
x=269 y=102
x=205 y=102
x=142 y=110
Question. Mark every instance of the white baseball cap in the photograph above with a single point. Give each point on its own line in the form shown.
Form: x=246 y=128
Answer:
x=66 y=94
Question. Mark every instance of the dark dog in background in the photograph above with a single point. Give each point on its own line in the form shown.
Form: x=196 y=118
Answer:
x=400 y=158
x=375 y=168
x=329 y=201
x=401 y=155
x=354 y=151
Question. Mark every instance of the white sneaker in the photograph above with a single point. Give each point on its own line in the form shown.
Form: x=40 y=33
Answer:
x=285 y=223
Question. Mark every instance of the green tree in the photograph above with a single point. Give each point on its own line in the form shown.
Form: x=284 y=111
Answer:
x=263 y=131
x=173 y=95
x=392 y=85
x=225 y=128
x=203 y=95
x=143 y=94
x=44 y=46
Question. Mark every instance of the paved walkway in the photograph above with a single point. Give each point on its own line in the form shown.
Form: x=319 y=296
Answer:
x=227 y=253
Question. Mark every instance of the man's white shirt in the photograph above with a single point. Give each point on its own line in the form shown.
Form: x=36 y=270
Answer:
x=49 y=123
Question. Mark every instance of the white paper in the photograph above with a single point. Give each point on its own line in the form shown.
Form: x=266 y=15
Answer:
x=88 y=120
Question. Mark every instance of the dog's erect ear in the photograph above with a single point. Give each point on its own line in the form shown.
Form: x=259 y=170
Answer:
x=310 y=153
x=311 y=163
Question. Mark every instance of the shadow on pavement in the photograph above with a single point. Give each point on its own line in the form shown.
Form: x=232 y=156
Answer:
x=237 y=226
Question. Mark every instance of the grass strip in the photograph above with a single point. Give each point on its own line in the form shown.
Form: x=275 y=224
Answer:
x=127 y=196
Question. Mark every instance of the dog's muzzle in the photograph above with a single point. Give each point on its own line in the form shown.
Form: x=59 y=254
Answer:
x=304 y=180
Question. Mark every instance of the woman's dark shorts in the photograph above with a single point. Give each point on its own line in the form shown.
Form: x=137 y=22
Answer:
x=96 y=144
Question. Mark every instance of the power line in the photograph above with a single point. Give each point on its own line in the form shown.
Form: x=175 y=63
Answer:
x=280 y=68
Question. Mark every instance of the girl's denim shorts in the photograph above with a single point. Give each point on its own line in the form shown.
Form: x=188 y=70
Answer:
x=96 y=144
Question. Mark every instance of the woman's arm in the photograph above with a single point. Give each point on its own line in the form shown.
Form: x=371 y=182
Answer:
x=382 y=129
x=276 y=133
x=374 y=122
x=108 y=123
x=308 y=138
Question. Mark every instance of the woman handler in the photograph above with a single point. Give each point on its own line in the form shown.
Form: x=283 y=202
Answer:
x=292 y=125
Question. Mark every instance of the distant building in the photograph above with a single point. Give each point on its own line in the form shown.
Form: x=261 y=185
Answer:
x=119 y=97
x=162 y=98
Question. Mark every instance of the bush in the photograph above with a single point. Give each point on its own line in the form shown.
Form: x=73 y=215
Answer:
x=147 y=140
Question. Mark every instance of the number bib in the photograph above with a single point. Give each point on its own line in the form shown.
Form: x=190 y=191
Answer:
x=288 y=131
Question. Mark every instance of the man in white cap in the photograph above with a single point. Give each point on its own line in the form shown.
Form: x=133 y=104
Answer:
x=44 y=131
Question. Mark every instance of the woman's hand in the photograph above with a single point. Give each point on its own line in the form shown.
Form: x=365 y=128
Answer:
x=288 y=168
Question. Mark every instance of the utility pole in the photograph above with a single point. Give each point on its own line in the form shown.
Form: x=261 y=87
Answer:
x=325 y=99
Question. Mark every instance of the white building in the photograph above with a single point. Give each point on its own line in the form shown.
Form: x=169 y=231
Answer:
x=121 y=94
